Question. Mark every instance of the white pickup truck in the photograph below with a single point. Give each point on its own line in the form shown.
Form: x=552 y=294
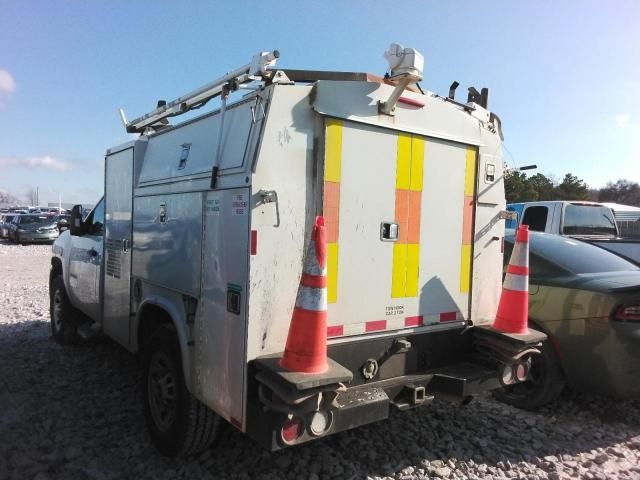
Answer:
x=588 y=221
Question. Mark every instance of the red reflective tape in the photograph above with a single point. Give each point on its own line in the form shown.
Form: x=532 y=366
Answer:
x=518 y=270
x=522 y=234
x=313 y=281
x=254 y=242
x=448 y=316
x=413 y=321
x=320 y=238
x=411 y=101
x=375 y=326
x=335 y=331
x=236 y=423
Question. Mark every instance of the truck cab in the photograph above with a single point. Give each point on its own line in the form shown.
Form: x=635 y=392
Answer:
x=592 y=222
x=570 y=218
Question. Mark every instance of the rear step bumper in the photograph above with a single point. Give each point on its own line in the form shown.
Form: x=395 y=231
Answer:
x=364 y=404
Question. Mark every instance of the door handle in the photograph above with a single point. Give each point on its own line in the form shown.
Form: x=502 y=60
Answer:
x=125 y=245
x=389 y=231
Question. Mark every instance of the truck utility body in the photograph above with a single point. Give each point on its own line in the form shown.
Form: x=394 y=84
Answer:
x=205 y=228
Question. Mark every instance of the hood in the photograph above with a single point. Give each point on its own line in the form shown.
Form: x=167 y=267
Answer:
x=32 y=227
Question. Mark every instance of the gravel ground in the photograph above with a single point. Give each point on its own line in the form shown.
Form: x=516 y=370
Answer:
x=74 y=413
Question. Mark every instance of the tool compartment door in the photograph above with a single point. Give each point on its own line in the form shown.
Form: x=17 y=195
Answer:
x=399 y=213
x=117 y=250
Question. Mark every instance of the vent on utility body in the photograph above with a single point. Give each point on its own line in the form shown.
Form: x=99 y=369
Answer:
x=113 y=258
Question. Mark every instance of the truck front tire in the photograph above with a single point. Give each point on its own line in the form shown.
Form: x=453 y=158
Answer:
x=64 y=317
x=178 y=423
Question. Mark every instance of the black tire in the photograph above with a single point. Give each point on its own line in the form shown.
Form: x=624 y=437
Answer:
x=546 y=383
x=178 y=423
x=64 y=317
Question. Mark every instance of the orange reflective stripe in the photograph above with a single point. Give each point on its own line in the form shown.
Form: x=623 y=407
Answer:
x=313 y=281
x=518 y=270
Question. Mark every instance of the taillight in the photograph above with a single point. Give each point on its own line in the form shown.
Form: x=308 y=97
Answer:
x=627 y=313
x=292 y=430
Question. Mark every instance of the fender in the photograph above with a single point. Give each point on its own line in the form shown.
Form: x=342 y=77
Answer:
x=177 y=315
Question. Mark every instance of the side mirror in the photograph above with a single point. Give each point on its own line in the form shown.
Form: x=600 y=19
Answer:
x=75 y=226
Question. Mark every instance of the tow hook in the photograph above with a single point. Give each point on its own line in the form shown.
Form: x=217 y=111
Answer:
x=370 y=368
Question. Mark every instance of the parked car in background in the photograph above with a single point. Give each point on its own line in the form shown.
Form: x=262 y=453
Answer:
x=62 y=221
x=33 y=228
x=5 y=220
x=587 y=300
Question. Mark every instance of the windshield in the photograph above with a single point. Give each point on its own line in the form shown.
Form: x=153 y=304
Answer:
x=581 y=219
x=27 y=219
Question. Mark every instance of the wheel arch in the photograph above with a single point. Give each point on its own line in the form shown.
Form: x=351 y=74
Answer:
x=56 y=270
x=152 y=314
x=551 y=338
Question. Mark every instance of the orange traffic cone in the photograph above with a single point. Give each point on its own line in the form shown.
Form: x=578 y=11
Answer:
x=306 y=349
x=513 y=309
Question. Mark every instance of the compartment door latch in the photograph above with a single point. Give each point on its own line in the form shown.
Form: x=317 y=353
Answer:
x=389 y=231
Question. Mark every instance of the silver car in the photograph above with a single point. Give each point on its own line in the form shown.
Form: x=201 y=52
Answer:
x=33 y=228
x=5 y=220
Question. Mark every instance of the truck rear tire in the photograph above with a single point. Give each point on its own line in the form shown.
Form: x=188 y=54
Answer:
x=178 y=423
x=64 y=317
x=546 y=383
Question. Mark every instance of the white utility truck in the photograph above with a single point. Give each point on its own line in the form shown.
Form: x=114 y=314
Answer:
x=195 y=253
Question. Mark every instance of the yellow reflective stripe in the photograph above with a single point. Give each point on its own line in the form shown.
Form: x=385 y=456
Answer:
x=333 y=151
x=399 y=272
x=417 y=161
x=413 y=269
x=470 y=172
x=405 y=274
x=403 y=165
x=465 y=269
x=332 y=272
x=333 y=173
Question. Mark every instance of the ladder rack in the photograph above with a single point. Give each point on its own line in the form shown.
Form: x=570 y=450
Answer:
x=257 y=68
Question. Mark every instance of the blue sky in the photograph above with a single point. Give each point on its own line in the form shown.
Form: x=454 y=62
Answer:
x=563 y=76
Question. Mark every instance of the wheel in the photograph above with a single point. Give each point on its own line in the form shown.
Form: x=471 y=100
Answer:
x=545 y=385
x=177 y=422
x=64 y=317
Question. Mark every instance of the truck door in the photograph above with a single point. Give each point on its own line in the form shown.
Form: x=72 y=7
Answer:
x=117 y=264
x=399 y=211
x=85 y=259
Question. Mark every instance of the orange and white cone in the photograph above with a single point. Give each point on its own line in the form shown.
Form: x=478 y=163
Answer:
x=513 y=309
x=306 y=348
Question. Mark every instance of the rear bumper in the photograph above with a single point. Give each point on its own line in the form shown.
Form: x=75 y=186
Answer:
x=436 y=365
x=364 y=404
x=611 y=367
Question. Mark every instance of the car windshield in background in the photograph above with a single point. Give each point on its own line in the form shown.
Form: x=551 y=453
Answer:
x=576 y=256
x=580 y=219
x=26 y=219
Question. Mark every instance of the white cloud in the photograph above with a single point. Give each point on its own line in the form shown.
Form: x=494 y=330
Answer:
x=45 y=162
x=7 y=83
x=622 y=120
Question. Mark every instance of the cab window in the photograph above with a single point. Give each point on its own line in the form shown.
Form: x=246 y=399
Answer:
x=536 y=218
x=95 y=221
